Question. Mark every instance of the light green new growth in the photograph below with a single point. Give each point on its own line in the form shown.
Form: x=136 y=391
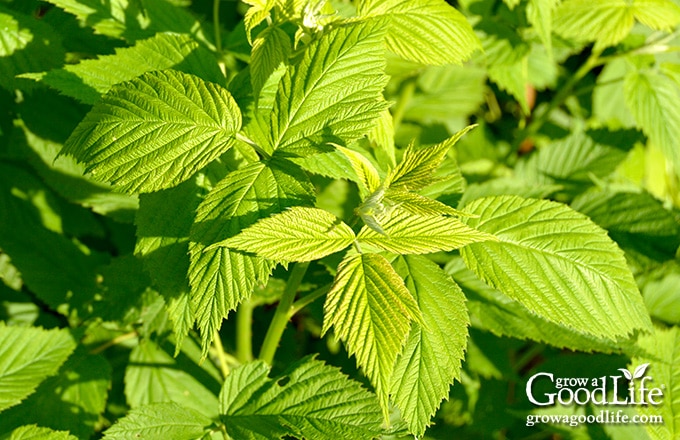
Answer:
x=297 y=234
x=371 y=311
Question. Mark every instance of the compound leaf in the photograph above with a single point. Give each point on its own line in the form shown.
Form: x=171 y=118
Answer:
x=558 y=264
x=406 y=233
x=371 y=311
x=316 y=402
x=220 y=277
x=166 y=420
x=426 y=31
x=335 y=93
x=653 y=98
x=27 y=357
x=432 y=357
x=297 y=234
x=155 y=131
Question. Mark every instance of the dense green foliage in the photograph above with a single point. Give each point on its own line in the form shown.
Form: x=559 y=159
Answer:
x=308 y=219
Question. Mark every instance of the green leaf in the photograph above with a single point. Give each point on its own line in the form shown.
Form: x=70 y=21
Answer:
x=371 y=311
x=335 y=93
x=26 y=45
x=416 y=169
x=539 y=14
x=369 y=179
x=427 y=31
x=297 y=234
x=432 y=357
x=653 y=98
x=419 y=205
x=271 y=49
x=59 y=272
x=89 y=79
x=27 y=357
x=663 y=347
x=73 y=400
x=499 y=314
x=576 y=159
x=163 y=246
x=446 y=94
x=606 y=22
x=407 y=233
x=316 y=402
x=169 y=420
x=661 y=15
x=221 y=278
x=558 y=264
x=155 y=131
x=33 y=432
x=154 y=376
x=636 y=221
x=259 y=10
x=133 y=19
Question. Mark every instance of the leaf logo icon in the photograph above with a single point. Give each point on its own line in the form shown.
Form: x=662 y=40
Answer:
x=640 y=371
x=626 y=373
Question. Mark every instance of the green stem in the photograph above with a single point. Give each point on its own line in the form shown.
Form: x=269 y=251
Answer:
x=561 y=96
x=244 y=332
x=307 y=300
x=115 y=341
x=221 y=355
x=407 y=91
x=281 y=316
x=216 y=25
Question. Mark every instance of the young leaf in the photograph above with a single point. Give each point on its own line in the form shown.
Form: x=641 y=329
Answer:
x=371 y=311
x=407 y=233
x=168 y=420
x=27 y=357
x=155 y=131
x=259 y=10
x=653 y=98
x=297 y=234
x=316 y=402
x=335 y=93
x=663 y=348
x=221 y=278
x=427 y=31
x=419 y=205
x=89 y=79
x=432 y=357
x=416 y=169
x=558 y=264
x=271 y=48
x=33 y=432
x=662 y=15
x=369 y=179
